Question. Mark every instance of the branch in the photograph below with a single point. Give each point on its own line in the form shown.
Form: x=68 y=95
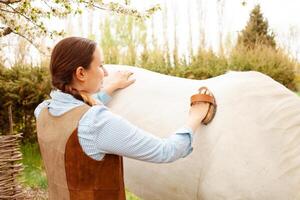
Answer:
x=121 y=9
x=96 y=6
x=47 y=4
x=26 y=17
x=5 y=31
x=6 y=2
x=30 y=41
x=8 y=11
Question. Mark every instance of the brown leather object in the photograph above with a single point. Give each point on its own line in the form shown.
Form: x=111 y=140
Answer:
x=89 y=179
x=53 y=133
x=209 y=98
x=202 y=98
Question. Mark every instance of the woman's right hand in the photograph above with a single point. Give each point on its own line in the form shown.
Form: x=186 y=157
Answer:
x=196 y=115
x=198 y=112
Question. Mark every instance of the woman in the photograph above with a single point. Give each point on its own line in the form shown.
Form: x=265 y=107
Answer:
x=82 y=142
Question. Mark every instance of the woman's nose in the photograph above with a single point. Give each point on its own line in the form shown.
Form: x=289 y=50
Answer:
x=105 y=71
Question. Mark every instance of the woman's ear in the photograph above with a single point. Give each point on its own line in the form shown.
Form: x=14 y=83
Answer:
x=80 y=74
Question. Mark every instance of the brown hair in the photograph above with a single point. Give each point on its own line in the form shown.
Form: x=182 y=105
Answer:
x=67 y=55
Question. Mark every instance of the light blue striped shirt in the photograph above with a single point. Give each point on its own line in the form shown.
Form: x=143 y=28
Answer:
x=100 y=131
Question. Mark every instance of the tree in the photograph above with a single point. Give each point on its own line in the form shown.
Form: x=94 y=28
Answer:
x=109 y=43
x=256 y=31
x=27 y=18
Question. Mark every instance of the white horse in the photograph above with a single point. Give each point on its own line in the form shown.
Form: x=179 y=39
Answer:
x=251 y=149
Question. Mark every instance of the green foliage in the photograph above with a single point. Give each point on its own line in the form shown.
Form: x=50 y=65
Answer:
x=127 y=40
x=131 y=196
x=206 y=64
x=24 y=88
x=155 y=60
x=266 y=60
x=121 y=39
x=109 y=44
x=256 y=31
x=297 y=80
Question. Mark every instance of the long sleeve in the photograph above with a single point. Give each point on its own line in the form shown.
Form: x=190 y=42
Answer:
x=101 y=131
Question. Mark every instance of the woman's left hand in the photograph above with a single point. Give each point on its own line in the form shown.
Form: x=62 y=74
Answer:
x=118 y=80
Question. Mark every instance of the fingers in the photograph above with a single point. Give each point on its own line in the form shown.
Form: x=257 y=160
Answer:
x=125 y=72
x=204 y=90
x=127 y=83
x=130 y=82
x=124 y=78
x=129 y=74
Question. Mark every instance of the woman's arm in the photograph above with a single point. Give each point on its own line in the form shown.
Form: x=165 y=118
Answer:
x=100 y=131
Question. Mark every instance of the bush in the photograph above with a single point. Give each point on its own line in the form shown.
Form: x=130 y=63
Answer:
x=297 y=80
x=24 y=88
x=274 y=63
x=206 y=64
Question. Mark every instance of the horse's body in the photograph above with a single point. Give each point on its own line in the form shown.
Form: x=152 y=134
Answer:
x=251 y=150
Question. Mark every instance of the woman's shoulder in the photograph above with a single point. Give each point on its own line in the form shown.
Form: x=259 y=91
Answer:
x=98 y=115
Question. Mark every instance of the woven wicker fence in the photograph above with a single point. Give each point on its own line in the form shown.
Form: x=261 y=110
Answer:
x=10 y=165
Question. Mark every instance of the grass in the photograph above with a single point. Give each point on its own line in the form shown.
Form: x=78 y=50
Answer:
x=130 y=196
x=34 y=176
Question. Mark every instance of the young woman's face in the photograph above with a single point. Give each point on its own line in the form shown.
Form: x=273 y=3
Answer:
x=95 y=73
